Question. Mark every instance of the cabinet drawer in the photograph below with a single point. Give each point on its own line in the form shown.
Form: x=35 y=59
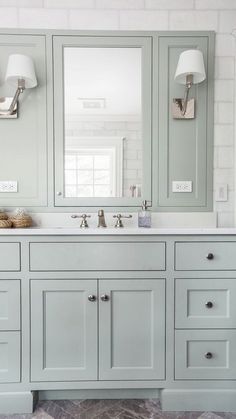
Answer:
x=205 y=354
x=195 y=256
x=9 y=256
x=205 y=303
x=9 y=357
x=99 y=256
x=10 y=304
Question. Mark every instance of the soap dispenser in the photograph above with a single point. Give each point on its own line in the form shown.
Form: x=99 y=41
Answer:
x=144 y=216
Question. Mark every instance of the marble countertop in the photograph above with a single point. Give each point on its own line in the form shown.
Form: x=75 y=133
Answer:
x=130 y=231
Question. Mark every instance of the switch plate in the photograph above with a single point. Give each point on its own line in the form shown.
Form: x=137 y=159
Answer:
x=221 y=194
x=182 y=186
x=8 y=186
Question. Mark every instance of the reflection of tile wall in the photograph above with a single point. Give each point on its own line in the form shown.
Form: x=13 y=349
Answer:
x=217 y=15
x=131 y=131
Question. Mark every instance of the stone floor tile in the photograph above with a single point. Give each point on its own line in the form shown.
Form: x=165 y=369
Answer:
x=209 y=415
x=111 y=409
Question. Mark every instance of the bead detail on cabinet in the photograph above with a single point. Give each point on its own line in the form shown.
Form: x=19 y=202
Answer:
x=210 y=256
x=208 y=355
x=209 y=304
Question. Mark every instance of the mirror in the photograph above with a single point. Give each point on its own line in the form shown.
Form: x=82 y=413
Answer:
x=103 y=153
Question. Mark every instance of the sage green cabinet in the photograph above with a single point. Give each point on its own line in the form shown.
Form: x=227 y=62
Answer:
x=132 y=329
x=205 y=256
x=205 y=303
x=183 y=148
x=63 y=330
x=23 y=141
x=9 y=297
x=10 y=259
x=10 y=357
x=98 y=256
x=64 y=337
x=205 y=354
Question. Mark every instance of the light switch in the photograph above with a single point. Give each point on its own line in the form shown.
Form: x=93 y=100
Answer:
x=221 y=194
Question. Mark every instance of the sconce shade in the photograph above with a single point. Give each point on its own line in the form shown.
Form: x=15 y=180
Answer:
x=21 y=67
x=190 y=63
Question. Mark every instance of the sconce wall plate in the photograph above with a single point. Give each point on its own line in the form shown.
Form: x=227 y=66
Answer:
x=5 y=103
x=177 y=106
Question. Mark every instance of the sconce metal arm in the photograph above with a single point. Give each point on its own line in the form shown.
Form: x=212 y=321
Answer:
x=189 y=83
x=19 y=90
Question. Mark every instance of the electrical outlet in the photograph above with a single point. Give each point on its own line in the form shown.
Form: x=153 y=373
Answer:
x=8 y=186
x=182 y=186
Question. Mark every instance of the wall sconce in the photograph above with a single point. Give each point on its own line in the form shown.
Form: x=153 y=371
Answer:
x=20 y=74
x=190 y=70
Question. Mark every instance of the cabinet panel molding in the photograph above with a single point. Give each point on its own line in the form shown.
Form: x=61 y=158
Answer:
x=183 y=148
x=23 y=141
x=132 y=330
x=63 y=330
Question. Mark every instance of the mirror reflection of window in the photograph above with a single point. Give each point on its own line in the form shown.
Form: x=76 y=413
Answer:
x=103 y=122
x=94 y=167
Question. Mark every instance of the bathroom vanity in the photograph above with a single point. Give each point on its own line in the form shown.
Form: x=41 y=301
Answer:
x=134 y=312
x=89 y=313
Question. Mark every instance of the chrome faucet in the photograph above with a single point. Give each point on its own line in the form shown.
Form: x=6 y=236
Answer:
x=101 y=218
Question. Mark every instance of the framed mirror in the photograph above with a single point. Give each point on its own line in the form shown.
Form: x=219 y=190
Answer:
x=102 y=117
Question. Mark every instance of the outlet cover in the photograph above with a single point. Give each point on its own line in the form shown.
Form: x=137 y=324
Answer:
x=8 y=186
x=182 y=186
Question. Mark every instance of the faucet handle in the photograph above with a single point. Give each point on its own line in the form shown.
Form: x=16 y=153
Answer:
x=119 y=223
x=84 y=223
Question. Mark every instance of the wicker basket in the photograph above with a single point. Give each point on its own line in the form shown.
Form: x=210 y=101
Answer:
x=21 y=221
x=3 y=216
x=5 y=224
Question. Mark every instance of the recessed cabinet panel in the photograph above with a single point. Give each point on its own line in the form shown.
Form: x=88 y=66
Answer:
x=205 y=354
x=132 y=329
x=205 y=256
x=205 y=303
x=63 y=330
x=185 y=146
x=10 y=353
x=10 y=259
x=99 y=256
x=23 y=141
x=9 y=304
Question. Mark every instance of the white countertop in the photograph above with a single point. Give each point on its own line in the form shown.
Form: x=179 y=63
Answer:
x=130 y=231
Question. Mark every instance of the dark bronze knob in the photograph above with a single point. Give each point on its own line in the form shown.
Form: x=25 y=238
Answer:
x=210 y=256
x=92 y=298
x=104 y=297
x=209 y=304
x=208 y=355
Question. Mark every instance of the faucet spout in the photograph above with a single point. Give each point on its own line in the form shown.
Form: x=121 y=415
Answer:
x=101 y=219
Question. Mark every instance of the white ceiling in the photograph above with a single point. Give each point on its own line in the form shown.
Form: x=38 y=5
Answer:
x=110 y=73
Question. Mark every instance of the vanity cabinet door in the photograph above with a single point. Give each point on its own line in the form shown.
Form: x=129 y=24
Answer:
x=63 y=330
x=132 y=329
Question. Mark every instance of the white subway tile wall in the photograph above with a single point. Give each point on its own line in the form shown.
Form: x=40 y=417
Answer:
x=218 y=15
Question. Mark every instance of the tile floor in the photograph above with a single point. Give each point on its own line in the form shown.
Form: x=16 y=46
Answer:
x=111 y=409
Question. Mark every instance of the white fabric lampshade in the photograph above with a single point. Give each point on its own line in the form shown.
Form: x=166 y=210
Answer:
x=21 y=67
x=190 y=63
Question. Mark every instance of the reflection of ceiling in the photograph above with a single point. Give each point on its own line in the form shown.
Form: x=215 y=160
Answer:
x=113 y=74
